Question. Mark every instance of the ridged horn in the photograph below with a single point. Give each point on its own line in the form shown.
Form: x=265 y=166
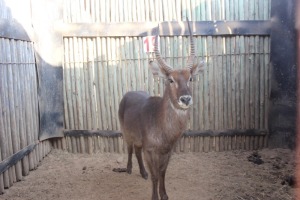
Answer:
x=192 y=56
x=159 y=59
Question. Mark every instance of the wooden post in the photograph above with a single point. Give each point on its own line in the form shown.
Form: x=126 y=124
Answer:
x=206 y=144
x=201 y=144
x=120 y=146
x=186 y=144
x=14 y=104
x=90 y=144
x=69 y=144
x=1 y=137
x=59 y=143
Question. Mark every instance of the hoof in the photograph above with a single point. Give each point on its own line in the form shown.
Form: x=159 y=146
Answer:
x=128 y=171
x=144 y=175
x=165 y=197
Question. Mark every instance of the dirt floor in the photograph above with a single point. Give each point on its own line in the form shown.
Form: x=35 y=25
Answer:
x=190 y=176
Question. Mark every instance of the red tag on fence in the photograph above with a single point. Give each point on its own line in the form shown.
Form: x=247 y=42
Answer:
x=149 y=42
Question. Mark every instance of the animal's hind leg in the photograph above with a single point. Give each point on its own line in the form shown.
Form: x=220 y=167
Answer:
x=138 y=153
x=129 y=162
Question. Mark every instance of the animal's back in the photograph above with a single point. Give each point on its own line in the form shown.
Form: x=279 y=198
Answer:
x=130 y=109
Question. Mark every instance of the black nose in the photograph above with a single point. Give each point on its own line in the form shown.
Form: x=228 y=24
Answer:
x=185 y=99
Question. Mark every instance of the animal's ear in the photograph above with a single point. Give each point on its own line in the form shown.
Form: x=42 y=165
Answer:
x=157 y=70
x=197 y=68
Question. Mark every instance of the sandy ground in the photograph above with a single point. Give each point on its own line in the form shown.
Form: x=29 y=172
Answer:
x=190 y=176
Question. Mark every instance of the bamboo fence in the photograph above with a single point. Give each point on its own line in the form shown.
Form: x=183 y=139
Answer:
x=20 y=150
x=95 y=11
x=232 y=92
x=19 y=110
x=87 y=141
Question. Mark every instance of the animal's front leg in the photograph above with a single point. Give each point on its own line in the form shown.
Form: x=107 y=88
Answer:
x=154 y=180
x=164 y=161
x=162 y=188
x=152 y=160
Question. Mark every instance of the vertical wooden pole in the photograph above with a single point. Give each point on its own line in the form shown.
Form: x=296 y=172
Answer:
x=14 y=104
x=206 y=143
x=1 y=136
x=298 y=102
x=90 y=144
x=221 y=143
x=3 y=176
x=186 y=144
x=6 y=141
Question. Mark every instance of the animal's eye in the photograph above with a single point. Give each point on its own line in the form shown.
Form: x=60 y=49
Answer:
x=170 y=80
x=191 y=79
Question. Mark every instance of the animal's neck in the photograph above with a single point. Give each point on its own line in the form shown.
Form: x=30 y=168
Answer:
x=174 y=119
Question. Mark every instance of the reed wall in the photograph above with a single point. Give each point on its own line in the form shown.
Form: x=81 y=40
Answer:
x=19 y=124
x=95 y=11
x=231 y=93
x=20 y=148
x=112 y=142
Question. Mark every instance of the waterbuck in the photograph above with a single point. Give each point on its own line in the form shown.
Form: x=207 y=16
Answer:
x=154 y=124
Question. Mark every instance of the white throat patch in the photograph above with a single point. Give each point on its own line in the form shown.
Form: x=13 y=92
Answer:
x=179 y=112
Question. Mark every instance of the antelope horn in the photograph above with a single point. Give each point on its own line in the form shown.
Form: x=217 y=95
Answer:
x=191 y=58
x=159 y=59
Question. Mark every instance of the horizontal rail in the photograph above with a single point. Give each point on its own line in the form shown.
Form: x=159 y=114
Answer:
x=189 y=133
x=229 y=132
x=173 y=28
x=78 y=133
x=12 y=160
